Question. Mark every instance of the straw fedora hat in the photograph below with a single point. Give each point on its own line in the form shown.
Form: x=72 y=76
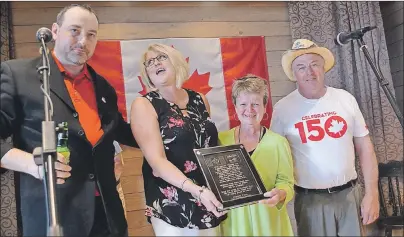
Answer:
x=305 y=46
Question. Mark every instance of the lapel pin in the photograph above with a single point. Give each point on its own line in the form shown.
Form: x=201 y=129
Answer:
x=103 y=100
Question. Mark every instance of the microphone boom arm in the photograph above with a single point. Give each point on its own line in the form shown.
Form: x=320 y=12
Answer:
x=382 y=81
x=46 y=155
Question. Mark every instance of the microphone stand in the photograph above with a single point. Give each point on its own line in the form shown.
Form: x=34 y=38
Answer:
x=382 y=81
x=46 y=155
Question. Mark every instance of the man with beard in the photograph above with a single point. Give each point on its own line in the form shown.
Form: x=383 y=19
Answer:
x=88 y=201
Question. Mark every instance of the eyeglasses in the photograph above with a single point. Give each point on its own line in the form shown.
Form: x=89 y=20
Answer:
x=152 y=61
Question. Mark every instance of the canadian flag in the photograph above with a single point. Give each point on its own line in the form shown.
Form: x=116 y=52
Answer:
x=214 y=63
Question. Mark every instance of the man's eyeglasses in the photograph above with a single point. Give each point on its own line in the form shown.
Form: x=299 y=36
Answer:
x=151 y=61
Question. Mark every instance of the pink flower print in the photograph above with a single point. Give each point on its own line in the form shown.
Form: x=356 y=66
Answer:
x=170 y=193
x=175 y=122
x=189 y=166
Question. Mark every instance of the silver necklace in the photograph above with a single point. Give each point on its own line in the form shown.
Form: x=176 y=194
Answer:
x=239 y=132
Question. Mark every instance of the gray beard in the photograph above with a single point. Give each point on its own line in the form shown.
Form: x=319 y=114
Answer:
x=76 y=60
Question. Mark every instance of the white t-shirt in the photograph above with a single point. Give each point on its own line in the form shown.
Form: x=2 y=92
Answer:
x=320 y=133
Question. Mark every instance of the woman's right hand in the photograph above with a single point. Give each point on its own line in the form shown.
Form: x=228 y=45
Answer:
x=209 y=200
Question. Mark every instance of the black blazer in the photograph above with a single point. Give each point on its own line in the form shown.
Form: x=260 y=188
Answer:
x=21 y=114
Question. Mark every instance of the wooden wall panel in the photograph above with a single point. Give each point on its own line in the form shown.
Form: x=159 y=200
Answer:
x=133 y=4
x=141 y=20
x=160 y=14
x=130 y=31
x=272 y=43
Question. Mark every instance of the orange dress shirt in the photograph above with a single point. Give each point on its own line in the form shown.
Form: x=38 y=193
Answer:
x=82 y=94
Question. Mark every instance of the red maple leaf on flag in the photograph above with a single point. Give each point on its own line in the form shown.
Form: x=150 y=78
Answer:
x=144 y=90
x=198 y=82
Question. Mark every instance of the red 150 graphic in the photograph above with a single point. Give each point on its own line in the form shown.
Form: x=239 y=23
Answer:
x=334 y=126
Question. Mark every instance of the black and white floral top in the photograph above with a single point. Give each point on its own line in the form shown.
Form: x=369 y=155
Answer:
x=180 y=134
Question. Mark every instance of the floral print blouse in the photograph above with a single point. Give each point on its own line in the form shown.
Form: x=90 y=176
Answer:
x=180 y=135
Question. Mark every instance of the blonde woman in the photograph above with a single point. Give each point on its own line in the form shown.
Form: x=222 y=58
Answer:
x=270 y=153
x=168 y=123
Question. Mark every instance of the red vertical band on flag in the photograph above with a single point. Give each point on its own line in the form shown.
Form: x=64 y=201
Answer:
x=242 y=56
x=107 y=62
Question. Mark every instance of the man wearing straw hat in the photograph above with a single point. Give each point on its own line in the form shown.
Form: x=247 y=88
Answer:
x=324 y=127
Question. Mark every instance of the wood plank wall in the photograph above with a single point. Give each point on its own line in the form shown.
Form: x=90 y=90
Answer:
x=139 y=20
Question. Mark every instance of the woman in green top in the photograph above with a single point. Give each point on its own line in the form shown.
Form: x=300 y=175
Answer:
x=272 y=158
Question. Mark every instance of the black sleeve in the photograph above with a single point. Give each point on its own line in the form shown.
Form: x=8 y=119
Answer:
x=124 y=133
x=8 y=116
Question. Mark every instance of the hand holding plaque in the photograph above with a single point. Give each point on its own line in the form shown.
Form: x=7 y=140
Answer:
x=209 y=200
x=274 y=197
x=231 y=175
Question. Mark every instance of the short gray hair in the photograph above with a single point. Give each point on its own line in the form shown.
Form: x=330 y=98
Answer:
x=250 y=83
x=61 y=15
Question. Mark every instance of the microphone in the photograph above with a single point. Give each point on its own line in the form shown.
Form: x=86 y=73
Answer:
x=345 y=37
x=45 y=34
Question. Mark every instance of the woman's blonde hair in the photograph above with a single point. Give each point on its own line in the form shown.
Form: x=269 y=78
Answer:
x=181 y=66
x=250 y=83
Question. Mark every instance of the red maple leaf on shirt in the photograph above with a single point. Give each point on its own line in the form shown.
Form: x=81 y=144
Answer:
x=336 y=126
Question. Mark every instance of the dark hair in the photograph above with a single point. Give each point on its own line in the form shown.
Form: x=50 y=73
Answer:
x=61 y=14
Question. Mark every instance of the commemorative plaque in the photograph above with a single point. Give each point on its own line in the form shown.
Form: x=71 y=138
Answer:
x=230 y=175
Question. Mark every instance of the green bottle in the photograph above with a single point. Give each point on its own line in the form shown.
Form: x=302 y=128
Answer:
x=62 y=142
